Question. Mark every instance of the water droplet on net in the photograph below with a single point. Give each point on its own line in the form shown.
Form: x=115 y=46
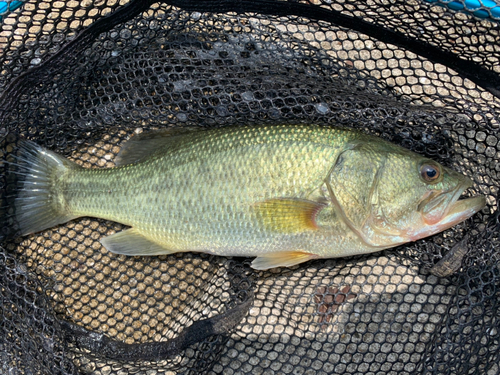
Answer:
x=322 y=108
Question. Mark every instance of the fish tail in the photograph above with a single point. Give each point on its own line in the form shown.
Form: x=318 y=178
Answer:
x=39 y=201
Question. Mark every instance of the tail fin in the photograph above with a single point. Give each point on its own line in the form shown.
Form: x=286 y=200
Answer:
x=39 y=202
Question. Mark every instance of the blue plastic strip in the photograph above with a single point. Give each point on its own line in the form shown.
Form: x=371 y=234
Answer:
x=484 y=9
x=6 y=7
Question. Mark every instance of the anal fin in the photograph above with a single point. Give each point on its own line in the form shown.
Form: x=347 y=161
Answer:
x=132 y=243
x=281 y=259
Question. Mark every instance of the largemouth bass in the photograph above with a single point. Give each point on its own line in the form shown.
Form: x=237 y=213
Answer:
x=283 y=194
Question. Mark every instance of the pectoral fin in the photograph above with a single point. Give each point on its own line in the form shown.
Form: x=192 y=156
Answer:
x=130 y=242
x=281 y=259
x=288 y=215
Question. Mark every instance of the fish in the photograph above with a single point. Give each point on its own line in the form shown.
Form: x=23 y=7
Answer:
x=284 y=194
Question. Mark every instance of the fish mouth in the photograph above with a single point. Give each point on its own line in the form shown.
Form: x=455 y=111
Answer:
x=443 y=210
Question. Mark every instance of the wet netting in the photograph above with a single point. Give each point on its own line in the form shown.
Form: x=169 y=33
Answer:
x=81 y=77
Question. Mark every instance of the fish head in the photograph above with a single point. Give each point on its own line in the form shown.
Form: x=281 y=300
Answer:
x=396 y=196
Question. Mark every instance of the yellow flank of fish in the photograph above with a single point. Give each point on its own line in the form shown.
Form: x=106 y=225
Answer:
x=284 y=194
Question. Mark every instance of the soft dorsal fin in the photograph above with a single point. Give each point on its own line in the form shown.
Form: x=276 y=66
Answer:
x=145 y=144
x=288 y=215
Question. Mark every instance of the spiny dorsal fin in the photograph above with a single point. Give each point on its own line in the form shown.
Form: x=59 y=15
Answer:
x=145 y=144
x=288 y=215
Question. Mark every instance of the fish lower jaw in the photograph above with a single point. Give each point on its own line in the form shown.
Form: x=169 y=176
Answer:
x=459 y=211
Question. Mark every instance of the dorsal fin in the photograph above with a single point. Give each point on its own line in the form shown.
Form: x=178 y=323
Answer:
x=145 y=144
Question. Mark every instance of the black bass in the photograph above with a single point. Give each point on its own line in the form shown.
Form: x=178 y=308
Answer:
x=283 y=194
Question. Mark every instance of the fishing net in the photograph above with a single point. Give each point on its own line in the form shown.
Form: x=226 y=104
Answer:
x=81 y=77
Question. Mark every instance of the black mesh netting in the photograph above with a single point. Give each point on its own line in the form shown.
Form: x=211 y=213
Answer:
x=81 y=77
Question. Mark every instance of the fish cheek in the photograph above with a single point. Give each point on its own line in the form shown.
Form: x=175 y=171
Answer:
x=387 y=228
x=399 y=192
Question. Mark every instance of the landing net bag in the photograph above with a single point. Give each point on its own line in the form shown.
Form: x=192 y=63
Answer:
x=81 y=77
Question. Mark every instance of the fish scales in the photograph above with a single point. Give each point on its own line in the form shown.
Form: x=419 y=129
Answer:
x=282 y=193
x=199 y=196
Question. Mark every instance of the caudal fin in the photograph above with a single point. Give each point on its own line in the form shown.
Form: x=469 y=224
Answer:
x=39 y=202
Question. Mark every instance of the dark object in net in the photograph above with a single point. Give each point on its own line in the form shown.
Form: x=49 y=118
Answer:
x=408 y=72
x=451 y=261
x=199 y=331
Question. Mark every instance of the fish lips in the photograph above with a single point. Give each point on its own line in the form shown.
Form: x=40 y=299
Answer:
x=443 y=210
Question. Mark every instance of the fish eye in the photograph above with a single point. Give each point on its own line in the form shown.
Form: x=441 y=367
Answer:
x=430 y=173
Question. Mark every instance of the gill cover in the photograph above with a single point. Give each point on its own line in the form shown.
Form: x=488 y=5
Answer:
x=353 y=187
